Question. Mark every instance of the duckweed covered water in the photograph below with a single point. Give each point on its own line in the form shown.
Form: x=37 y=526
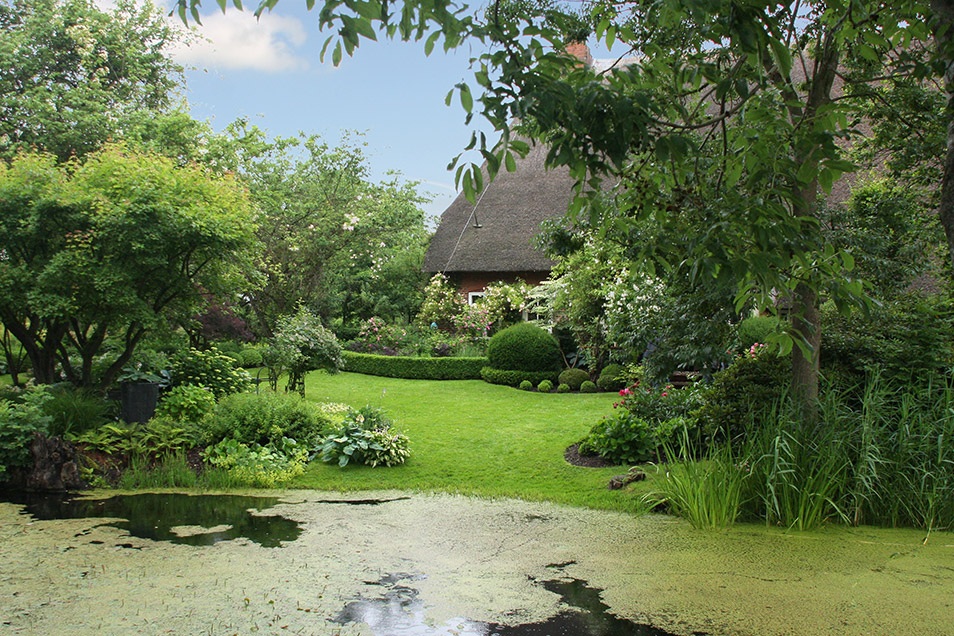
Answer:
x=496 y=566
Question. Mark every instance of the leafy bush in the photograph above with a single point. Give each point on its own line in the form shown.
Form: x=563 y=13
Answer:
x=19 y=422
x=574 y=378
x=526 y=385
x=159 y=436
x=563 y=388
x=524 y=347
x=588 y=387
x=74 y=410
x=645 y=420
x=186 y=403
x=366 y=437
x=258 y=466
x=905 y=337
x=756 y=329
x=545 y=386
x=414 y=368
x=251 y=357
x=514 y=378
x=265 y=418
x=611 y=378
x=211 y=369
x=745 y=392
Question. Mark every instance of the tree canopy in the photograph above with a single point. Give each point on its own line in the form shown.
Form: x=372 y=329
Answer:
x=111 y=248
x=73 y=76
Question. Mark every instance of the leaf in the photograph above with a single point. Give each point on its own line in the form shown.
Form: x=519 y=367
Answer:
x=466 y=98
x=336 y=55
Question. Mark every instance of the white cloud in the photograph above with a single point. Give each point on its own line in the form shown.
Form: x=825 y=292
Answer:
x=237 y=40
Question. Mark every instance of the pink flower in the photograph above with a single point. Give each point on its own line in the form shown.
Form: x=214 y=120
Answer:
x=625 y=392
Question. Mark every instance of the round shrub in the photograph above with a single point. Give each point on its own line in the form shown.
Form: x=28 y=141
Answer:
x=588 y=387
x=611 y=378
x=514 y=378
x=251 y=357
x=563 y=388
x=756 y=329
x=524 y=347
x=545 y=387
x=574 y=378
x=526 y=385
x=265 y=418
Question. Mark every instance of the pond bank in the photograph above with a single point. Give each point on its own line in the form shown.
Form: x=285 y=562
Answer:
x=461 y=563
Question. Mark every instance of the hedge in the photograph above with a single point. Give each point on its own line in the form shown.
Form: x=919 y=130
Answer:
x=414 y=368
x=514 y=378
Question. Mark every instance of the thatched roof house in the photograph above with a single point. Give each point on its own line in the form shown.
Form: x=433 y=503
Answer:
x=495 y=239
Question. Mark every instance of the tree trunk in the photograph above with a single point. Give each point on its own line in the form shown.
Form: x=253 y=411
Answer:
x=805 y=364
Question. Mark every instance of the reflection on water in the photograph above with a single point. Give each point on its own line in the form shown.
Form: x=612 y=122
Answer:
x=400 y=610
x=174 y=517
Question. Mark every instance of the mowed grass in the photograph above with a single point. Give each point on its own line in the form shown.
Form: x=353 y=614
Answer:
x=474 y=438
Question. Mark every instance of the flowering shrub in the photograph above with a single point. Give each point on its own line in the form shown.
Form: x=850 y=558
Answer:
x=302 y=344
x=646 y=419
x=376 y=336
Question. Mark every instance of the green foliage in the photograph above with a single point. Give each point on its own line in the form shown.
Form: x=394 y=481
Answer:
x=74 y=410
x=745 y=392
x=574 y=378
x=646 y=420
x=332 y=239
x=110 y=249
x=169 y=471
x=756 y=330
x=155 y=438
x=524 y=347
x=611 y=378
x=210 y=369
x=563 y=388
x=186 y=403
x=19 y=422
x=545 y=386
x=366 y=437
x=526 y=385
x=414 y=368
x=265 y=419
x=514 y=378
x=588 y=386
x=122 y=55
x=302 y=344
x=442 y=302
x=907 y=337
x=252 y=357
x=708 y=494
x=257 y=466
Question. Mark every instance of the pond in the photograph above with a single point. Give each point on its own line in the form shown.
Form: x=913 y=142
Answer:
x=392 y=563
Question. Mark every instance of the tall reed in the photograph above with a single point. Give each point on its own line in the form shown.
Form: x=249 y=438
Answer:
x=883 y=455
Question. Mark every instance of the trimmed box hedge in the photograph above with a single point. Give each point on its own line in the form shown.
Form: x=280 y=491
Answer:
x=414 y=368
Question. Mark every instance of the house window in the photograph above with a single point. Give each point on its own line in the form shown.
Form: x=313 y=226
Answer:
x=472 y=297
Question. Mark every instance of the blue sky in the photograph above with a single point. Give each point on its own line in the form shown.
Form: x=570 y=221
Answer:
x=270 y=72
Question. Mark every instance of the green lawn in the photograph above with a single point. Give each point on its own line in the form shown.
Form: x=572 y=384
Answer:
x=474 y=438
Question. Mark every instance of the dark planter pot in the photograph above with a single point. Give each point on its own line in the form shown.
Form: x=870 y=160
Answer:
x=138 y=401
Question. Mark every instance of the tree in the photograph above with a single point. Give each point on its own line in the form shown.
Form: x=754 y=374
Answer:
x=331 y=237
x=73 y=76
x=734 y=117
x=111 y=248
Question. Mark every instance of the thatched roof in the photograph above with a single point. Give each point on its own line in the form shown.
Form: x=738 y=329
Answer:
x=497 y=235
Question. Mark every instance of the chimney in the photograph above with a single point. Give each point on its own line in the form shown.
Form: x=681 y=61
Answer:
x=580 y=51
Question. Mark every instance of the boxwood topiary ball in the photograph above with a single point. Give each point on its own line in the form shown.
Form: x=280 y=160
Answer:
x=524 y=347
